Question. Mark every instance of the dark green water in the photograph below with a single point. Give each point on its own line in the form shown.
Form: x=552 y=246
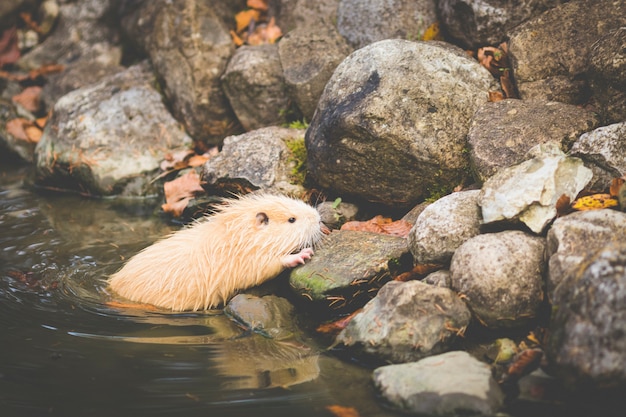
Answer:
x=66 y=352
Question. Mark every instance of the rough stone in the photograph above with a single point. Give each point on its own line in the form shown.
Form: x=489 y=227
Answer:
x=574 y=237
x=86 y=146
x=501 y=277
x=475 y=24
x=259 y=159
x=450 y=384
x=549 y=53
x=529 y=191
x=308 y=57
x=392 y=121
x=503 y=132
x=407 y=321
x=255 y=86
x=270 y=316
x=365 y=22
x=604 y=151
x=588 y=329
x=444 y=225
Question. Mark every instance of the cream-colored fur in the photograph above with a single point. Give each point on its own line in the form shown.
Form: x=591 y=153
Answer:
x=249 y=241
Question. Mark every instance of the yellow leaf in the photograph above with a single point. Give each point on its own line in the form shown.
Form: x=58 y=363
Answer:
x=594 y=202
x=432 y=33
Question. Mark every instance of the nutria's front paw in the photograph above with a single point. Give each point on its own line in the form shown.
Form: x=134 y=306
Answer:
x=296 y=259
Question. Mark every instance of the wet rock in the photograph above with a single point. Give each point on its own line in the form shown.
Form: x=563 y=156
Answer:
x=501 y=277
x=84 y=31
x=475 y=24
x=604 y=151
x=363 y=23
x=444 y=225
x=407 y=321
x=270 y=316
x=607 y=68
x=86 y=148
x=382 y=129
x=189 y=45
x=349 y=267
x=260 y=159
x=503 y=132
x=309 y=56
x=254 y=84
x=529 y=191
x=449 y=384
x=574 y=237
x=549 y=53
x=588 y=329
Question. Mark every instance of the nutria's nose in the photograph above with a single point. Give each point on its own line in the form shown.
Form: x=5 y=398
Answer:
x=324 y=228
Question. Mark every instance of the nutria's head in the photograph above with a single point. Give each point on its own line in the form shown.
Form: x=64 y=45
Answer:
x=273 y=223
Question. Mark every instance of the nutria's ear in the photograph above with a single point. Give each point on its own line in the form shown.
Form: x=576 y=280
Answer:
x=262 y=219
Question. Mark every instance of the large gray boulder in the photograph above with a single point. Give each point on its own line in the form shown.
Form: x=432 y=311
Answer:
x=392 y=121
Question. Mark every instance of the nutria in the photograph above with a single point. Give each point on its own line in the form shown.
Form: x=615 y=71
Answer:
x=248 y=241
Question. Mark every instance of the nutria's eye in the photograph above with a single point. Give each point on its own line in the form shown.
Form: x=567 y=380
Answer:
x=292 y=220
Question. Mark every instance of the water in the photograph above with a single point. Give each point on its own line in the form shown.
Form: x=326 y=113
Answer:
x=67 y=352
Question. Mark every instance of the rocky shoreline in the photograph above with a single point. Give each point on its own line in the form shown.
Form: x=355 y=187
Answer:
x=363 y=108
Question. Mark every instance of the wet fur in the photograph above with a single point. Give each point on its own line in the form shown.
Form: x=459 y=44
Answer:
x=202 y=266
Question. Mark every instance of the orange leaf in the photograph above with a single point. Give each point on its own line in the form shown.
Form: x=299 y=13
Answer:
x=243 y=19
x=594 y=202
x=178 y=192
x=419 y=271
x=341 y=411
x=272 y=32
x=29 y=98
x=258 y=4
x=495 y=96
x=236 y=39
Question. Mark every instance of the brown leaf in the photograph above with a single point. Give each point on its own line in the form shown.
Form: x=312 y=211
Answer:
x=178 y=192
x=29 y=99
x=177 y=160
x=9 y=50
x=419 y=271
x=616 y=184
x=495 y=96
x=380 y=224
x=563 y=206
x=507 y=84
x=337 y=325
x=23 y=129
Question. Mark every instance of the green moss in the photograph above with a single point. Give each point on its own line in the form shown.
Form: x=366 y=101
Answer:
x=297 y=157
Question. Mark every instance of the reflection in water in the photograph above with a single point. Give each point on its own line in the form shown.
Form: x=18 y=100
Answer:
x=65 y=352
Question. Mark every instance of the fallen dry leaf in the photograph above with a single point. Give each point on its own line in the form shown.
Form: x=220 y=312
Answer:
x=337 y=325
x=432 y=33
x=380 y=224
x=563 y=206
x=178 y=192
x=29 y=99
x=9 y=51
x=265 y=33
x=245 y=18
x=419 y=271
x=594 y=202
x=616 y=184
x=341 y=411
x=258 y=4
x=24 y=129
